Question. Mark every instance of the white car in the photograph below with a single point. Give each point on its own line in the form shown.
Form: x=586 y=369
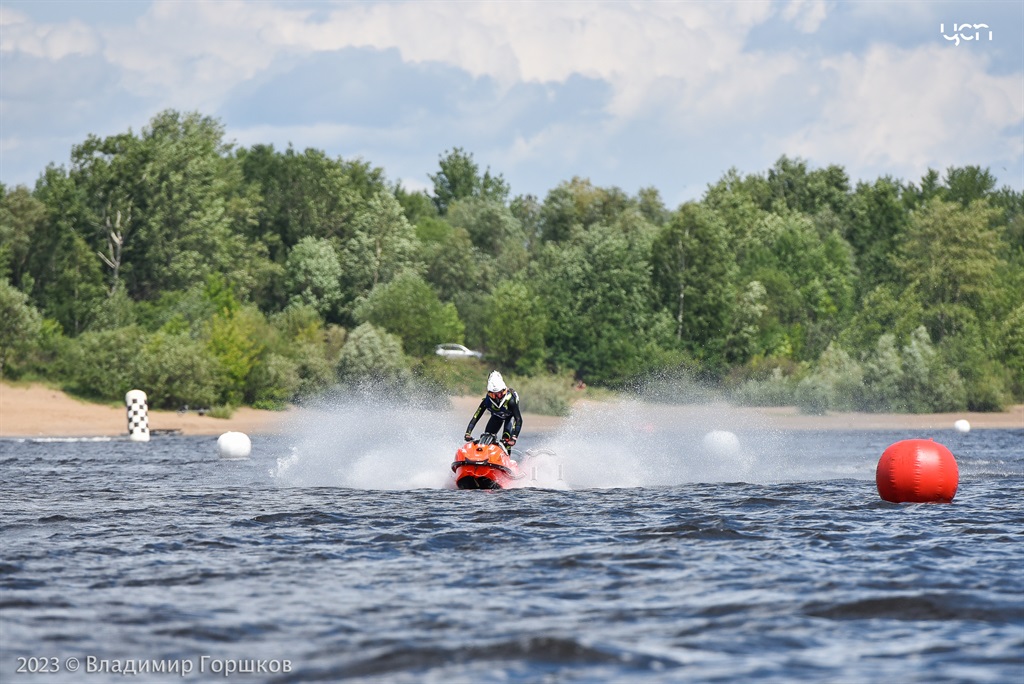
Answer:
x=456 y=351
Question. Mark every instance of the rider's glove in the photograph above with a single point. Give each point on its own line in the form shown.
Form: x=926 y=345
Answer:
x=469 y=436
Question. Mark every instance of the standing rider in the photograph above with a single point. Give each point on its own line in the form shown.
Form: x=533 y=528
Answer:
x=503 y=403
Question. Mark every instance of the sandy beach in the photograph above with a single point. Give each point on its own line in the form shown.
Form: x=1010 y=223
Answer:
x=39 y=411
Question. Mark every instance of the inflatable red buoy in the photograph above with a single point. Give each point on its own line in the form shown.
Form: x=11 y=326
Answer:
x=917 y=471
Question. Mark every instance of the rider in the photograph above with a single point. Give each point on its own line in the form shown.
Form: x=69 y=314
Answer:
x=503 y=403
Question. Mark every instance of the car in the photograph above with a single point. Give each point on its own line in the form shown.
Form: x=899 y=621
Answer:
x=456 y=351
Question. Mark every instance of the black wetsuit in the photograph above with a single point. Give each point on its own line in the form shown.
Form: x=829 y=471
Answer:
x=504 y=412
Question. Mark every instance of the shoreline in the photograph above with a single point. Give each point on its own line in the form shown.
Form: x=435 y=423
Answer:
x=35 y=410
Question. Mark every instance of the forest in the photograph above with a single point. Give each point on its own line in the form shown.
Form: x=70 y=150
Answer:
x=218 y=276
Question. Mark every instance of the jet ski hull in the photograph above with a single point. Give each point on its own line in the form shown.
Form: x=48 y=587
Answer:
x=484 y=466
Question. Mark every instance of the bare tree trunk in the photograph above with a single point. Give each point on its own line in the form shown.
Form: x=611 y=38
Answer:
x=115 y=242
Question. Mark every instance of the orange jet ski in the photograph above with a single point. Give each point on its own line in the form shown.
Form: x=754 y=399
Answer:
x=484 y=464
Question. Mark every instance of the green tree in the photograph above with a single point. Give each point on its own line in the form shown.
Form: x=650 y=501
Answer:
x=578 y=204
x=409 y=308
x=22 y=219
x=952 y=253
x=62 y=264
x=836 y=383
x=20 y=323
x=516 y=324
x=693 y=275
x=104 y=364
x=887 y=309
x=373 y=355
x=383 y=244
x=231 y=339
x=792 y=186
x=597 y=291
x=314 y=276
x=1012 y=348
x=878 y=222
x=493 y=230
x=809 y=280
x=417 y=205
x=452 y=264
x=968 y=184
x=305 y=194
x=460 y=178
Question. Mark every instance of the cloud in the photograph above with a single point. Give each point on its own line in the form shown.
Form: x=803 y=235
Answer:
x=194 y=53
x=906 y=110
x=48 y=41
x=666 y=93
x=806 y=15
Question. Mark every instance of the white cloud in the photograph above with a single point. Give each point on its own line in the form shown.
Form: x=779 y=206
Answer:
x=658 y=79
x=908 y=110
x=49 y=41
x=193 y=53
x=806 y=15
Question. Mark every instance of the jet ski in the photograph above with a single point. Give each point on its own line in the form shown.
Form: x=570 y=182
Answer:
x=485 y=464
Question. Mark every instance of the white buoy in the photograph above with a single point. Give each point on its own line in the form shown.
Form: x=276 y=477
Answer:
x=722 y=443
x=138 y=416
x=234 y=445
x=962 y=426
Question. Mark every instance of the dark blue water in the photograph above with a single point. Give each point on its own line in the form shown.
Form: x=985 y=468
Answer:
x=118 y=554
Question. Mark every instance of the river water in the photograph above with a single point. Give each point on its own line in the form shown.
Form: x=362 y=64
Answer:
x=637 y=552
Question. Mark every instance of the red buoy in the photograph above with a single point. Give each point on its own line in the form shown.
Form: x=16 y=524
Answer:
x=917 y=471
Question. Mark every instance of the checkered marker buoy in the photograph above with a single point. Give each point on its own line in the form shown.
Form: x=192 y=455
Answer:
x=138 y=416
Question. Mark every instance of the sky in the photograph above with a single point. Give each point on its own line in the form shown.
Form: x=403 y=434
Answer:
x=628 y=94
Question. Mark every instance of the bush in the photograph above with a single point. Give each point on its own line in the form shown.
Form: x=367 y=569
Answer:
x=104 y=365
x=835 y=383
x=175 y=370
x=775 y=390
x=409 y=308
x=234 y=339
x=224 y=411
x=912 y=379
x=373 y=356
x=453 y=376
x=273 y=382
x=547 y=395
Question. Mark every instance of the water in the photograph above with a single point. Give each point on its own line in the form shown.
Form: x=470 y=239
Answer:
x=336 y=553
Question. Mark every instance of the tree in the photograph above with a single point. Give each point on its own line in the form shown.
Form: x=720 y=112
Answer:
x=579 y=204
x=597 y=291
x=493 y=230
x=178 y=196
x=407 y=307
x=417 y=205
x=952 y=253
x=314 y=276
x=452 y=264
x=459 y=178
x=305 y=194
x=792 y=186
x=878 y=222
x=809 y=281
x=22 y=220
x=232 y=339
x=967 y=184
x=1012 y=339
x=693 y=275
x=20 y=323
x=383 y=244
x=515 y=328
x=373 y=355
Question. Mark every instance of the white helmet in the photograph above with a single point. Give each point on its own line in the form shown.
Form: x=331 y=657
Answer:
x=495 y=383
